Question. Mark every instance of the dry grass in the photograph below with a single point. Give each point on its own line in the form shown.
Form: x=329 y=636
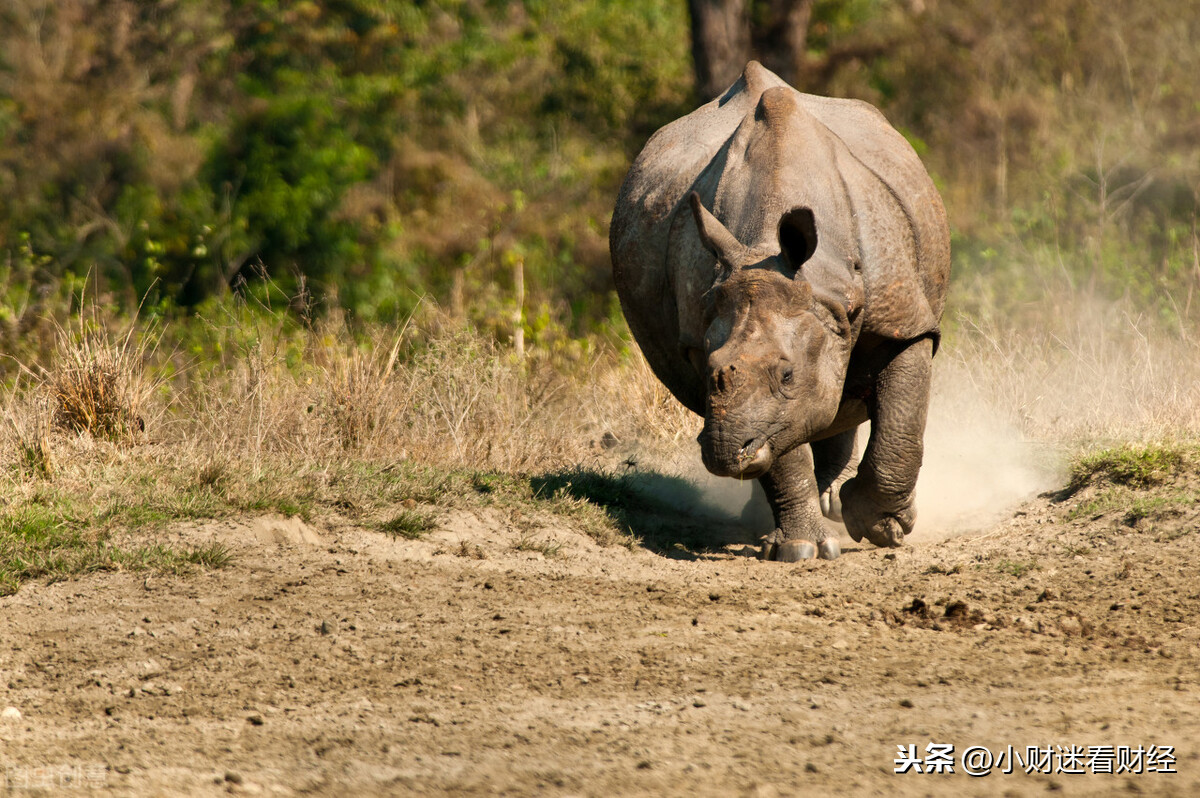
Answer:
x=110 y=435
x=1089 y=373
x=98 y=382
x=632 y=404
x=352 y=423
x=432 y=392
x=440 y=393
x=452 y=401
x=436 y=393
x=29 y=419
x=271 y=416
x=95 y=384
x=356 y=386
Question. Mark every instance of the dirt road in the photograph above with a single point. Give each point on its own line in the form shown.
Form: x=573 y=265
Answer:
x=483 y=660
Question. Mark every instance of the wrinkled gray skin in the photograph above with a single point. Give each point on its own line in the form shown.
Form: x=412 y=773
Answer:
x=782 y=261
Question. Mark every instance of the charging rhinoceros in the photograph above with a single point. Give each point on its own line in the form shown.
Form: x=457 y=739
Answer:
x=782 y=260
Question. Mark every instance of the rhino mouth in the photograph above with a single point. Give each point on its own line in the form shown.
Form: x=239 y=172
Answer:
x=750 y=460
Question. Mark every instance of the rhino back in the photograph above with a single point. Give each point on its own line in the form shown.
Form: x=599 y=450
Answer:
x=902 y=227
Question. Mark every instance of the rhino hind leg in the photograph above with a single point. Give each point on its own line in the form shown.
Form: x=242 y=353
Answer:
x=835 y=460
x=799 y=534
x=877 y=503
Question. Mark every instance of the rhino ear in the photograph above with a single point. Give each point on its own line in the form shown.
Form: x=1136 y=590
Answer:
x=715 y=236
x=797 y=236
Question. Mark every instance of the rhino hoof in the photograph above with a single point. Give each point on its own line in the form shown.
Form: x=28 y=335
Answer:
x=795 y=550
x=887 y=533
x=829 y=549
x=831 y=505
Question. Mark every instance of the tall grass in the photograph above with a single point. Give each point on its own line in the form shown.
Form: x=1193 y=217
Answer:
x=250 y=386
x=243 y=398
x=1082 y=372
x=249 y=410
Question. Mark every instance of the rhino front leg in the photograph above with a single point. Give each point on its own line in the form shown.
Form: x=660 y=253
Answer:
x=835 y=460
x=878 y=502
x=799 y=534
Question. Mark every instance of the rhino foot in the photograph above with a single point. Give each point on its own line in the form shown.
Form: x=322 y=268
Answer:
x=829 y=549
x=887 y=533
x=864 y=519
x=796 y=549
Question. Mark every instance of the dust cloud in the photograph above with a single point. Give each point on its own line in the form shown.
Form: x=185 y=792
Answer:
x=977 y=469
x=678 y=480
x=742 y=502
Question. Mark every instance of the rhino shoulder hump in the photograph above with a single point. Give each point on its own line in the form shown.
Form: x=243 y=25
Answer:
x=777 y=104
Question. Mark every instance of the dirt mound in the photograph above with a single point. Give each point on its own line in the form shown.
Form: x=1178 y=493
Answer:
x=267 y=529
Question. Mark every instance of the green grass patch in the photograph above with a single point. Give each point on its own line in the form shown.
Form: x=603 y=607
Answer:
x=48 y=541
x=166 y=559
x=665 y=513
x=164 y=502
x=548 y=548
x=289 y=506
x=606 y=506
x=145 y=514
x=1137 y=466
x=1133 y=482
x=409 y=524
x=1134 y=505
x=1152 y=507
x=277 y=498
x=1104 y=502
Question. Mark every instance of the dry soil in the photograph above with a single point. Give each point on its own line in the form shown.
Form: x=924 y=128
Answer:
x=329 y=659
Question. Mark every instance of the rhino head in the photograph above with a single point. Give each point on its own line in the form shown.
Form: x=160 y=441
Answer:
x=777 y=348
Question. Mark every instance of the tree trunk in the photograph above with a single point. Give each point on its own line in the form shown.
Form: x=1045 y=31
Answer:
x=518 y=312
x=458 y=308
x=720 y=43
x=779 y=37
x=728 y=33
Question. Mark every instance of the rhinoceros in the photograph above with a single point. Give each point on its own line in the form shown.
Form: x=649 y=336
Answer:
x=782 y=260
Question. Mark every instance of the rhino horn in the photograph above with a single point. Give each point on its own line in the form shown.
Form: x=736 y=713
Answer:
x=715 y=236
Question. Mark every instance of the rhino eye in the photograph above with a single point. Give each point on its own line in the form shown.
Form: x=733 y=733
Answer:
x=786 y=378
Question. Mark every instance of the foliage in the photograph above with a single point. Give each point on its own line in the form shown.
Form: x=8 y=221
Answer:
x=366 y=154
x=1137 y=466
x=355 y=148
x=47 y=537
